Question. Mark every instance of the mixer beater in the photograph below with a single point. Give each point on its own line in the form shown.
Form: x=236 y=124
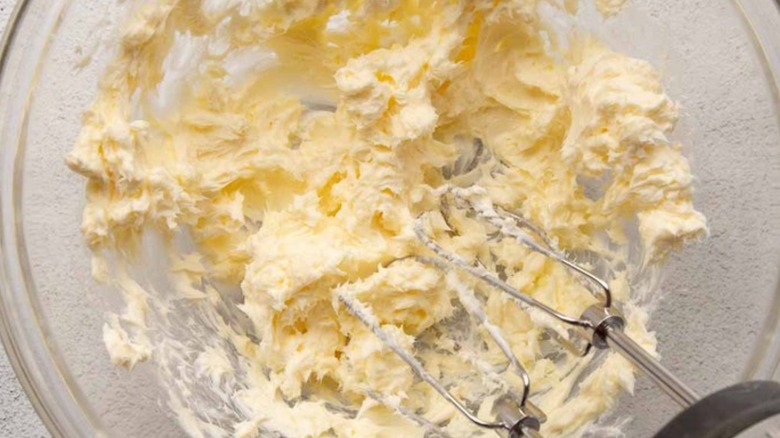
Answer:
x=723 y=414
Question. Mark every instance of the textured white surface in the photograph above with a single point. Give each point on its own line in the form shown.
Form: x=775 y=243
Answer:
x=17 y=417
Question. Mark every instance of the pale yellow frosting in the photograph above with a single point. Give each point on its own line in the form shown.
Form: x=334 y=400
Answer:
x=295 y=143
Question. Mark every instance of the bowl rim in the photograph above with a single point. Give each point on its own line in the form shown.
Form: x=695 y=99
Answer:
x=49 y=390
x=761 y=17
x=37 y=373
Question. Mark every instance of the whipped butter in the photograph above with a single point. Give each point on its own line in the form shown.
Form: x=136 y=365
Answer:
x=294 y=144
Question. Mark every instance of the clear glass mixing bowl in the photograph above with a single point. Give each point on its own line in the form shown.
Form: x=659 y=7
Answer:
x=718 y=322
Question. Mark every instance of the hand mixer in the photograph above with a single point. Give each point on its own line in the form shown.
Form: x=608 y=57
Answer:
x=722 y=414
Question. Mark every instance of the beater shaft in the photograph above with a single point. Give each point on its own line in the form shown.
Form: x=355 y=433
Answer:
x=607 y=328
x=520 y=424
x=638 y=356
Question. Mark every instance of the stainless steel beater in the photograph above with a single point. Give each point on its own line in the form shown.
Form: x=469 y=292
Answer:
x=723 y=414
x=602 y=322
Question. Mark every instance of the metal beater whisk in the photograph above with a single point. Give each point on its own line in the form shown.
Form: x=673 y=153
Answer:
x=723 y=414
x=602 y=322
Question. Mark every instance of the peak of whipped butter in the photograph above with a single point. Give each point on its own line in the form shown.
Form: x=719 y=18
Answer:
x=293 y=144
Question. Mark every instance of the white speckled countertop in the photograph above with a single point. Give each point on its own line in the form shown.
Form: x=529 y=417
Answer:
x=17 y=417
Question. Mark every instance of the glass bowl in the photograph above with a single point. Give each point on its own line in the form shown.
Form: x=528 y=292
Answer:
x=717 y=322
